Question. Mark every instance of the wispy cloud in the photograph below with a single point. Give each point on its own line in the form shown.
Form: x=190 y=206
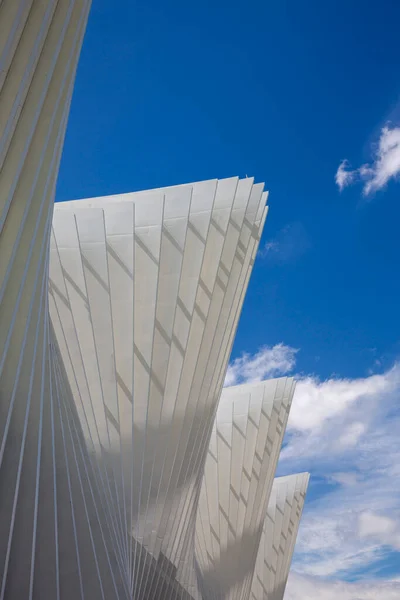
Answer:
x=344 y=176
x=289 y=244
x=301 y=588
x=345 y=431
x=320 y=401
x=384 y=166
x=269 y=361
x=382 y=529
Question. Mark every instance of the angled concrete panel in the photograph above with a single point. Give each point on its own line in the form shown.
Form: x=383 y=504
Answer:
x=238 y=476
x=54 y=536
x=279 y=537
x=145 y=295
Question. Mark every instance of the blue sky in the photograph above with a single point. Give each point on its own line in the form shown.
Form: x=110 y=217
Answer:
x=173 y=92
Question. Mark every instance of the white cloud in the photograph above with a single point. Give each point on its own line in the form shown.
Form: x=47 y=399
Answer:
x=316 y=401
x=352 y=434
x=385 y=164
x=387 y=161
x=269 y=361
x=345 y=479
x=307 y=588
x=383 y=529
x=346 y=430
x=344 y=176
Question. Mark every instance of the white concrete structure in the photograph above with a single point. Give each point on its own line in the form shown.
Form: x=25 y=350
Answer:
x=239 y=472
x=117 y=318
x=54 y=540
x=279 y=537
x=145 y=294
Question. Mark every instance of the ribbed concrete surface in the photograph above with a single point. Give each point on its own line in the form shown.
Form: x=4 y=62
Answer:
x=279 y=537
x=53 y=541
x=239 y=472
x=145 y=295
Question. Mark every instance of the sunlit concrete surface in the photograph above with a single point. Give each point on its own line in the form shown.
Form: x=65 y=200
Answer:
x=279 y=537
x=54 y=540
x=239 y=472
x=145 y=295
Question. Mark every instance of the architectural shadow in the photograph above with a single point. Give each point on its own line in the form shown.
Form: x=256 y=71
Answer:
x=234 y=567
